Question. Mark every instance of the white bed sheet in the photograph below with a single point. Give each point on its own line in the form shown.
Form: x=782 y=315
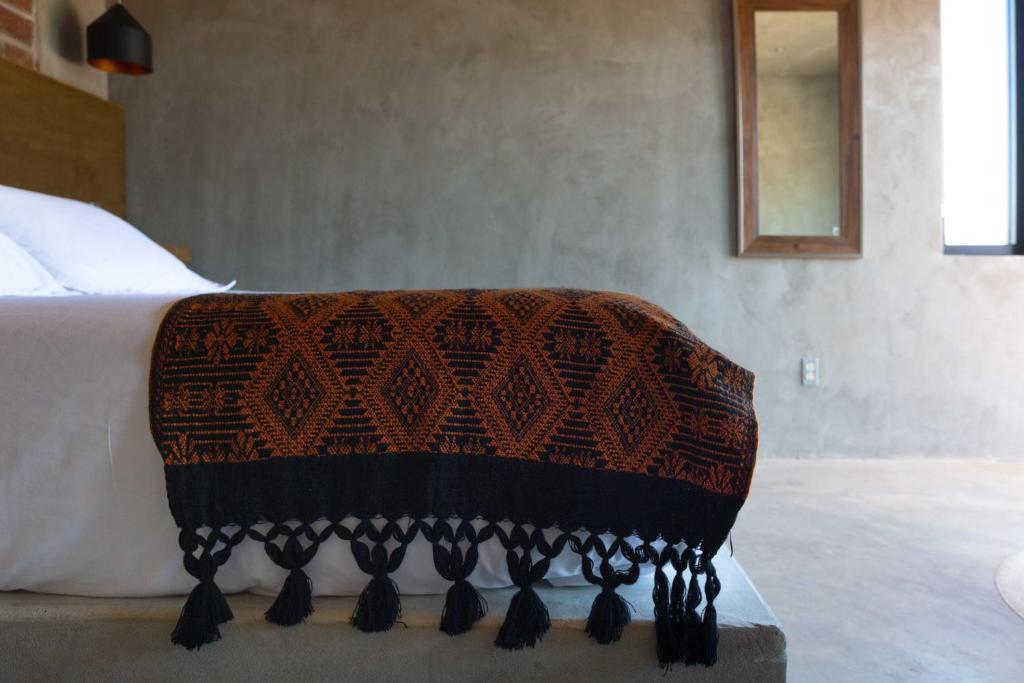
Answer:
x=83 y=508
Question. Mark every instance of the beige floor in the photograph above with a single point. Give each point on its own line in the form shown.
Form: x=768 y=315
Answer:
x=884 y=571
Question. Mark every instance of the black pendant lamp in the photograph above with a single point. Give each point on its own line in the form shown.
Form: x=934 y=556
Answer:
x=118 y=44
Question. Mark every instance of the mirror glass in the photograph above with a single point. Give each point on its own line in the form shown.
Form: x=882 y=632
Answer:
x=797 y=58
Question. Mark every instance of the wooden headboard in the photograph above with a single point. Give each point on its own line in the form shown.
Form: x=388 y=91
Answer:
x=59 y=140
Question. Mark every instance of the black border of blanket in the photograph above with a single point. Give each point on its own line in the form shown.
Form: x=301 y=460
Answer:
x=442 y=485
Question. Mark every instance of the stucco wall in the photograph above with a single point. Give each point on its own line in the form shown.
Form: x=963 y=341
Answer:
x=60 y=42
x=443 y=143
x=49 y=36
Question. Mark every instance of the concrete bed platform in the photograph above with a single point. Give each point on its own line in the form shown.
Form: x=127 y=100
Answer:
x=59 y=638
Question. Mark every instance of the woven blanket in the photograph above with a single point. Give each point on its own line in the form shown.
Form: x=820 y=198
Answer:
x=538 y=419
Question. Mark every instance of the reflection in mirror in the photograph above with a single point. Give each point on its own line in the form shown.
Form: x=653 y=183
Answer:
x=797 y=57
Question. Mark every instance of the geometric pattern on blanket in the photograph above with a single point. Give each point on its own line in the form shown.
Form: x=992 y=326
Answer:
x=588 y=412
x=504 y=375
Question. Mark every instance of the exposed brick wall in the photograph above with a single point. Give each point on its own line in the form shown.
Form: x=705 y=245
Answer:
x=17 y=31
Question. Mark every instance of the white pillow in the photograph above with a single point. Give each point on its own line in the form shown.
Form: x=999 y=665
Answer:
x=89 y=250
x=21 y=275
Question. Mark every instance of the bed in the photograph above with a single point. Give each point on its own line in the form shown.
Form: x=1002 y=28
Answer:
x=75 y=374
x=82 y=500
x=85 y=526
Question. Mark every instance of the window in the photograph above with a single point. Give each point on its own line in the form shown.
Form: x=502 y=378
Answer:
x=983 y=202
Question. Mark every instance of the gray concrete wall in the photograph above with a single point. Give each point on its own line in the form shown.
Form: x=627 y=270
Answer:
x=445 y=143
x=60 y=42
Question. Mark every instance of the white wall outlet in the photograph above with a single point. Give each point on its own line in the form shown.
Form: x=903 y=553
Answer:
x=810 y=371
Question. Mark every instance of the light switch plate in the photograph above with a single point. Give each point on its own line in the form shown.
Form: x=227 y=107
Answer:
x=810 y=371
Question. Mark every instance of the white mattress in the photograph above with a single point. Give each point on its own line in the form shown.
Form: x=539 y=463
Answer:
x=83 y=508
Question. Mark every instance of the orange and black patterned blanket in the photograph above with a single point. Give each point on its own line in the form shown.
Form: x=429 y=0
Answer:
x=463 y=416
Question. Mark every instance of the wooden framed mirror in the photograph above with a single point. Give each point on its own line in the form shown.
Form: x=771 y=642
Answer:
x=798 y=98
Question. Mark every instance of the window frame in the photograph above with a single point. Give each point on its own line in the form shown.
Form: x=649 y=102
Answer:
x=1015 y=219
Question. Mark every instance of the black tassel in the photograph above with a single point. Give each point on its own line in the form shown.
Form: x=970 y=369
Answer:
x=379 y=607
x=608 y=616
x=295 y=601
x=526 y=622
x=710 y=636
x=463 y=607
x=204 y=610
x=668 y=652
x=712 y=587
x=693 y=627
x=677 y=615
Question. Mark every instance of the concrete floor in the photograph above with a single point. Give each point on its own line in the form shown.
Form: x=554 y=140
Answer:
x=884 y=570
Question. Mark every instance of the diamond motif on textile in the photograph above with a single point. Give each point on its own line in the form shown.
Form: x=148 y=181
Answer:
x=417 y=302
x=632 y=410
x=294 y=394
x=371 y=334
x=522 y=304
x=411 y=390
x=480 y=336
x=576 y=345
x=309 y=305
x=630 y=316
x=520 y=397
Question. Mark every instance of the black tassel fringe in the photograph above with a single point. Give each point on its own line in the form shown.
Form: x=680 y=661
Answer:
x=710 y=636
x=712 y=587
x=609 y=615
x=463 y=607
x=526 y=621
x=201 y=616
x=677 y=610
x=379 y=606
x=693 y=627
x=295 y=601
x=664 y=631
x=683 y=633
